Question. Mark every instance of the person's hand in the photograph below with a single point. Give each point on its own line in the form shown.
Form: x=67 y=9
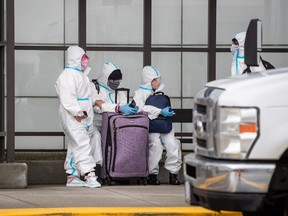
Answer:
x=126 y=109
x=99 y=103
x=167 y=112
x=79 y=118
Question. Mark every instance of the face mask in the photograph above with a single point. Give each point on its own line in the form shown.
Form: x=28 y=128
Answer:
x=234 y=48
x=113 y=85
x=84 y=62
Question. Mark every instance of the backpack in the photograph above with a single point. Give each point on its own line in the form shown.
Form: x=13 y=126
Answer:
x=265 y=63
x=161 y=124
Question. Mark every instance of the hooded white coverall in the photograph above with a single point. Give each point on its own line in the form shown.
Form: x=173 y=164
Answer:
x=73 y=89
x=107 y=95
x=157 y=141
x=238 y=64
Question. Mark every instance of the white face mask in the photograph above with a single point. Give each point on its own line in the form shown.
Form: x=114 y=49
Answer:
x=234 y=48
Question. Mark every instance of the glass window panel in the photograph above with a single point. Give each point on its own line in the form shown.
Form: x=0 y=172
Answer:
x=37 y=114
x=39 y=142
x=37 y=71
x=166 y=22
x=114 y=22
x=71 y=21
x=188 y=103
x=223 y=65
x=169 y=66
x=175 y=103
x=278 y=60
x=224 y=60
x=39 y=21
x=194 y=73
x=195 y=22
x=130 y=64
x=177 y=127
x=234 y=16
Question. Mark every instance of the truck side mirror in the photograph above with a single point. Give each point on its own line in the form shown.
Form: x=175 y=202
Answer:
x=253 y=43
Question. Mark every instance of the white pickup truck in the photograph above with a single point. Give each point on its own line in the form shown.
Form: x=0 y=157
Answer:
x=241 y=136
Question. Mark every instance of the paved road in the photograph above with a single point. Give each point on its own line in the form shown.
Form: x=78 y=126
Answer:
x=126 y=199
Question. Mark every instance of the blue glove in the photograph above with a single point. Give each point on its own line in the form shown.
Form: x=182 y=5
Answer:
x=167 y=112
x=126 y=109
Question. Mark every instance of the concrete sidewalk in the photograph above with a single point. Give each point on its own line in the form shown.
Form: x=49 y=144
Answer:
x=114 y=199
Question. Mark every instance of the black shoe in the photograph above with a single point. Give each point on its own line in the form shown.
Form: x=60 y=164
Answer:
x=152 y=180
x=173 y=179
x=97 y=169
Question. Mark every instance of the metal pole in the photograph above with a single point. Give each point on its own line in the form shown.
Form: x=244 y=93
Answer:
x=82 y=24
x=147 y=32
x=212 y=15
x=2 y=88
x=10 y=53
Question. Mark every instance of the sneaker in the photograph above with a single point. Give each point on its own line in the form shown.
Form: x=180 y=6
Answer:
x=74 y=181
x=152 y=180
x=91 y=181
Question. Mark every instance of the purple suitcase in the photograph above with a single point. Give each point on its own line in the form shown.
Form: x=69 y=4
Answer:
x=124 y=146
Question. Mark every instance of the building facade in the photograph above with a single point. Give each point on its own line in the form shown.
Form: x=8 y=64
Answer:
x=188 y=41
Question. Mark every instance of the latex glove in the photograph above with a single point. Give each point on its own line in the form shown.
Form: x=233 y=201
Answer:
x=167 y=112
x=126 y=109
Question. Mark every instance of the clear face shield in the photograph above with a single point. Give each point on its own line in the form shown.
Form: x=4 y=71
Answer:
x=155 y=83
x=84 y=62
x=235 y=46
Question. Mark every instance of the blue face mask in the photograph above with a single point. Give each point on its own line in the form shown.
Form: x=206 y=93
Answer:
x=113 y=85
x=234 y=48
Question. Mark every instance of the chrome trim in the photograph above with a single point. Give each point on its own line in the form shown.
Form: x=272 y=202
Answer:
x=206 y=133
x=228 y=176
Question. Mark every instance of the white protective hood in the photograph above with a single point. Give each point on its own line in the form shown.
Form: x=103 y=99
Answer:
x=149 y=73
x=108 y=68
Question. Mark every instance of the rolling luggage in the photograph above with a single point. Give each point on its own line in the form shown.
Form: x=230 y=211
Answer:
x=125 y=146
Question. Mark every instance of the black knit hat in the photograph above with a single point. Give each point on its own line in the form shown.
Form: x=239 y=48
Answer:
x=115 y=75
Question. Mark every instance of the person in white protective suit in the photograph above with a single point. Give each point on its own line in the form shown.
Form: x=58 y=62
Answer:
x=76 y=117
x=237 y=49
x=103 y=97
x=151 y=82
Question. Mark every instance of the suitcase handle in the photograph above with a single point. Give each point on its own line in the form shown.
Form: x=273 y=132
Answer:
x=122 y=89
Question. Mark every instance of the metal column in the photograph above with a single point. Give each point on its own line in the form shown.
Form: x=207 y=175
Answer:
x=212 y=16
x=10 y=53
x=147 y=32
x=2 y=87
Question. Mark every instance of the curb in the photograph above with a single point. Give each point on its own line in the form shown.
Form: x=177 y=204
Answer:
x=130 y=211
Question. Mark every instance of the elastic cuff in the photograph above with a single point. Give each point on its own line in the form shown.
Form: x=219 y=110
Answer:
x=117 y=109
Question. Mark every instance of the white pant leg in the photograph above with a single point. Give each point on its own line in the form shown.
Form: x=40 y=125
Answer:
x=69 y=164
x=78 y=143
x=96 y=149
x=155 y=153
x=173 y=152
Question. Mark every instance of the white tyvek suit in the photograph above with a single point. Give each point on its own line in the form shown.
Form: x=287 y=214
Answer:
x=107 y=95
x=73 y=89
x=157 y=141
x=238 y=64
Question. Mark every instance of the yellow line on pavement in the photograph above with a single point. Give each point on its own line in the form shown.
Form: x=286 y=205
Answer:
x=129 y=211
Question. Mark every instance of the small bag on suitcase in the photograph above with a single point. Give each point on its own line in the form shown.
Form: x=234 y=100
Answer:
x=124 y=146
